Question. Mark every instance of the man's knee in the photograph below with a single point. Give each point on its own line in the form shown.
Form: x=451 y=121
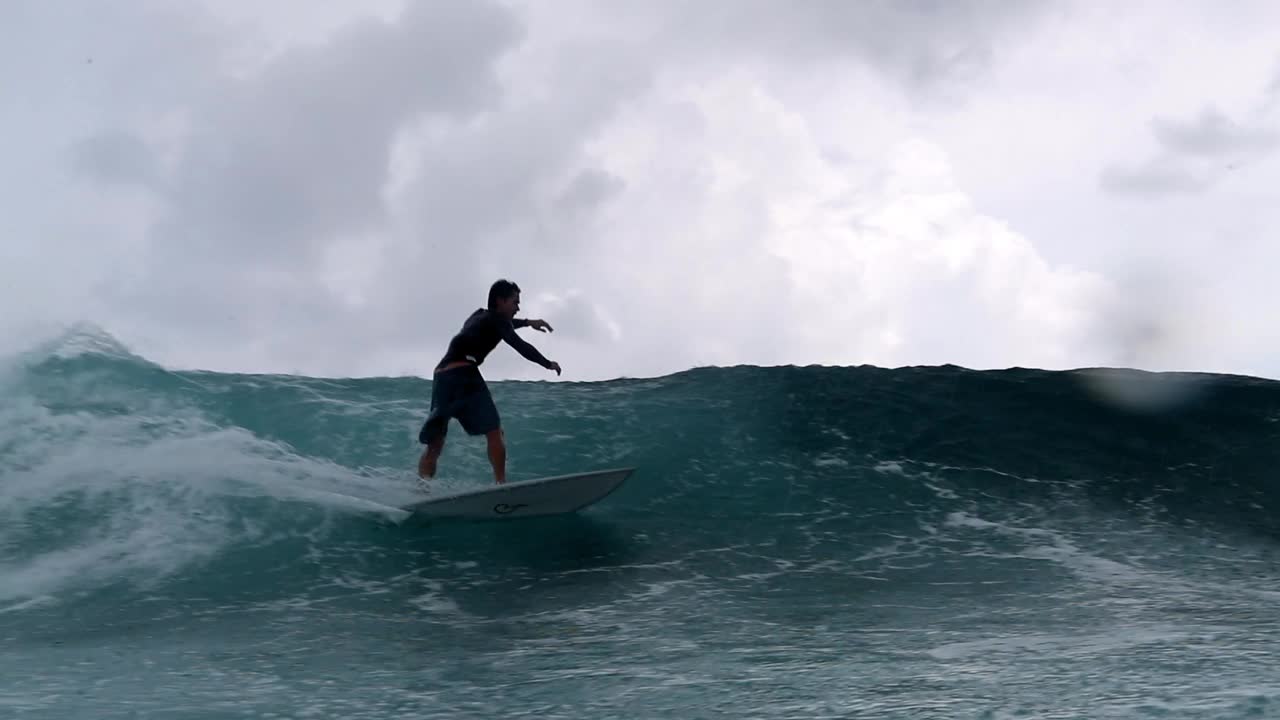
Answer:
x=495 y=437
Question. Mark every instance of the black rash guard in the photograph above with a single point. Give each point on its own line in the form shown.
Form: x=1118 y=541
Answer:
x=481 y=333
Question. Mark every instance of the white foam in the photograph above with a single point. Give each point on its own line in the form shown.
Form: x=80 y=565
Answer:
x=65 y=341
x=1055 y=546
x=38 y=601
x=434 y=601
x=145 y=494
x=890 y=467
x=1059 y=645
x=830 y=461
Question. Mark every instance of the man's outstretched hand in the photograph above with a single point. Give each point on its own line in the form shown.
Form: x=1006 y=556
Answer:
x=554 y=366
x=541 y=326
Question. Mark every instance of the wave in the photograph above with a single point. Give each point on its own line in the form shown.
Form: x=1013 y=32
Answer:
x=114 y=470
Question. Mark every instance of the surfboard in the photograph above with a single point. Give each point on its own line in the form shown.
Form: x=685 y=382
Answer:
x=524 y=498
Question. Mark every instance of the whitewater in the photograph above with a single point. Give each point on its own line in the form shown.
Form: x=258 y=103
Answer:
x=796 y=542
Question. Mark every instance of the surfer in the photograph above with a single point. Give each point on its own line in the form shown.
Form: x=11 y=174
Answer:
x=459 y=391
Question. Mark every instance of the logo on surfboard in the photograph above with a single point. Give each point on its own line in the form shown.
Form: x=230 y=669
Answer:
x=504 y=508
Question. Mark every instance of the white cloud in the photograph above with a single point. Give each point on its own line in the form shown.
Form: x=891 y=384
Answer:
x=750 y=238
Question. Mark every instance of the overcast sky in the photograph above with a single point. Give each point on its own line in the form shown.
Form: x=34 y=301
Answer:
x=298 y=188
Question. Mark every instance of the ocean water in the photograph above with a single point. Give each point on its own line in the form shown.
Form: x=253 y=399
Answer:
x=797 y=542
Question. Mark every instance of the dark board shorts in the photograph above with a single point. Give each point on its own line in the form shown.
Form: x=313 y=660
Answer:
x=459 y=393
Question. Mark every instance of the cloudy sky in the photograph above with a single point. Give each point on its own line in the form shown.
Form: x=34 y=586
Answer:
x=295 y=187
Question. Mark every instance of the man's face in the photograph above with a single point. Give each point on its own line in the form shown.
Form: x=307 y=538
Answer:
x=509 y=306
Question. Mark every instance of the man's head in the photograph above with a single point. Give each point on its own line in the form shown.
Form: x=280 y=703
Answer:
x=504 y=298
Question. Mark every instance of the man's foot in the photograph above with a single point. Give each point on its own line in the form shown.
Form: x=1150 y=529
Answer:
x=426 y=466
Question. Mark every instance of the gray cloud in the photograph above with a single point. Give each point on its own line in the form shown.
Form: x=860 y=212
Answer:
x=278 y=168
x=87 y=59
x=116 y=156
x=282 y=169
x=1214 y=134
x=279 y=162
x=490 y=196
x=1194 y=154
x=1158 y=176
x=921 y=42
x=86 y=84
x=588 y=190
x=1271 y=98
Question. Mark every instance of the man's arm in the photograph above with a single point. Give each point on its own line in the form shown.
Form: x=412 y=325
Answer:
x=529 y=352
x=539 y=325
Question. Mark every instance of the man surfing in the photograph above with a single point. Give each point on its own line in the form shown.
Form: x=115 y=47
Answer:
x=459 y=391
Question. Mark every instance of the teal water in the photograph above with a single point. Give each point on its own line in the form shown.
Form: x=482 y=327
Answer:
x=797 y=542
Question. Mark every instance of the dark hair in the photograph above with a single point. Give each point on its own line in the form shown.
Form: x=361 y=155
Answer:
x=501 y=290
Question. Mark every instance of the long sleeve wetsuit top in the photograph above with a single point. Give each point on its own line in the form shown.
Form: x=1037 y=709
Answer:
x=482 y=332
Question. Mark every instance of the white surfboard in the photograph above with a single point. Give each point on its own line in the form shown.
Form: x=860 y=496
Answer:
x=524 y=498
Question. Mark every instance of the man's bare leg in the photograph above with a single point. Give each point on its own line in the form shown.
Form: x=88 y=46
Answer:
x=497 y=455
x=430 y=456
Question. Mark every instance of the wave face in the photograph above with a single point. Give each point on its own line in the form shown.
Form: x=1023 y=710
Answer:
x=796 y=542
